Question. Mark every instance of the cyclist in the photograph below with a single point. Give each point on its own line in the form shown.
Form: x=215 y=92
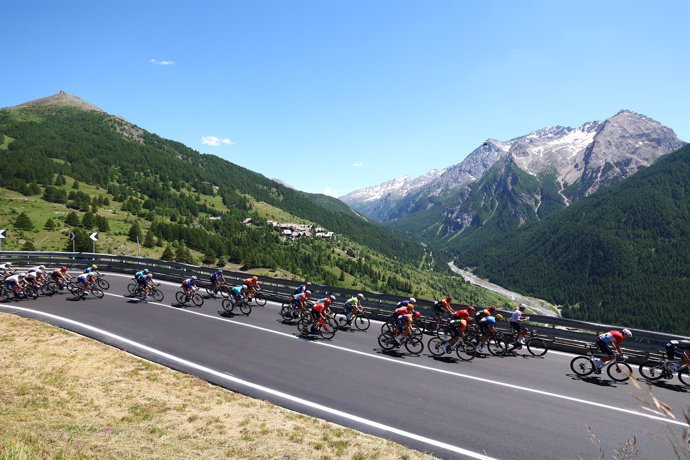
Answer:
x=677 y=349
x=299 y=302
x=14 y=284
x=488 y=311
x=85 y=280
x=189 y=286
x=353 y=304
x=604 y=342
x=318 y=311
x=441 y=307
x=92 y=269
x=238 y=293
x=60 y=277
x=6 y=269
x=302 y=288
x=456 y=327
x=515 y=322
x=252 y=285
x=487 y=328
x=404 y=324
x=405 y=303
x=140 y=277
x=37 y=274
x=31 y=278
x=217 y=279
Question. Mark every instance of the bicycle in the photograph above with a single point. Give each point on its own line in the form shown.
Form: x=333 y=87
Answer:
x=292 y=311
x=325 y=326
x=155 y=293
x=243 y=305
x=214 y=289
x=182 y=298
x=389 y=325
x=102 y=283
x=617 y=369
x=536 y=345
x=465 y=350
x=358 y=317
x=654 y=370
x=23 y=293
x=413 y=344
x=258 y=297
x=79 y=293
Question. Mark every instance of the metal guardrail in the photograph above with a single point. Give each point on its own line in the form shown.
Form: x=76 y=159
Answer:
x=569 y=335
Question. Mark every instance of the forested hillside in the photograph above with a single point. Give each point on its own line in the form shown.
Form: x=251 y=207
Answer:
x=620 y=256
x=84 y=170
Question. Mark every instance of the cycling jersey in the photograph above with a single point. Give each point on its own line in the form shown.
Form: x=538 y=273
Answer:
x=320 y=307
x=299 y=289
x=237 y=291
x=188 y=283
x=461 y=314
x=251 y=282
x=401 y=311
x=88 y=270
x=487 y=321
x=403 y=303
x=83 y=278
x=300 y=297
x=611 y=337
x=677 y=348
x=457 y=326
x=515 y=317
x=215 y=276
x=12 y=281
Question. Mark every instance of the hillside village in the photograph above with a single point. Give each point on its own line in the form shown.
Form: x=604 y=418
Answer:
x=297 y=231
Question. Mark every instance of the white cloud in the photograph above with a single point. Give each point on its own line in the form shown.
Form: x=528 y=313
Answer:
x=164 y=62
x=328 y=191
x=215 y=141
x=359 y=164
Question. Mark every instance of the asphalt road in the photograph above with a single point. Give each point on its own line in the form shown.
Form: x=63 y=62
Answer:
x=514 y=407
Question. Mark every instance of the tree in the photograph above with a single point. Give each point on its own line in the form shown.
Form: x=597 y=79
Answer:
x=28 y=246
x=60 y=179
x=75 y=185
x=135 y=233
x=50 y=225
x=102 y=224
x=168 y=253
x=88 y=221
x=82 y=243
x=149 y=242
x=183 y=255
x=72 y=219
x=23 y=222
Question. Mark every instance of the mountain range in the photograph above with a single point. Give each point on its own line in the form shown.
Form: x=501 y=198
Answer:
x=504 y=185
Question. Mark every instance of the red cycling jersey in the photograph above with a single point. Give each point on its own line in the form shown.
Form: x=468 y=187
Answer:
x=320 y=307
x=401 y=311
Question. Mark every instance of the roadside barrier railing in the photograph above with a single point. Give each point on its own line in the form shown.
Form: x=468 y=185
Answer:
x=564 y=334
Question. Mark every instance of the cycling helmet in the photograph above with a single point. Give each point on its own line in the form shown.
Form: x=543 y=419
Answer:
x=194 y=277
x=306 y=292
x=244 y=287
x=412 y=300
x=491 y=308
x=255 y=278
x=410 y=306
x=94 y=266
x=471 y=308
x=499 y=317
x=64 y=269
x=8 y=263
x=627 y=333
x=448 y=297
x=42 y=267
x=146 y=271
x=149 y=276
x=332 y=297
x=360 y=296
x=22 y=275
x=522 y=306
x=307 y=283
x=464 y=314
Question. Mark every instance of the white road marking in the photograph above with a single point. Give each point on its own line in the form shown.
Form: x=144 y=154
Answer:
x=276 y=393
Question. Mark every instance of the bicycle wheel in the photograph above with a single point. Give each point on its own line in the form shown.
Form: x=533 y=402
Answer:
x=97 y=292
x=582 y=365
x=537 y=346
x=417 y=333
x=260 y=299
x=224 y=291
x=131 y=287
x=414 y=345
x=47 y=290
x=31 y=293
x=620 y=372
x=157 y=295
x=497 y=346
x=180 y=297
x=388 y=324
x=103 y=284
x=140 y=293
x=245 y=308
x=387 y=341
x=684 y=376
x=210 y=291
x=435 y=346
x=328 y=329
x=465 y=351
x=228 y=305
x=340 y=319
x=651 y=370
x=362 y=322
x=304 y=325
x=286 y=312
x=197 y=299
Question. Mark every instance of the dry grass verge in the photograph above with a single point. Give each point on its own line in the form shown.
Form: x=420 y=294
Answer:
x=66 y=396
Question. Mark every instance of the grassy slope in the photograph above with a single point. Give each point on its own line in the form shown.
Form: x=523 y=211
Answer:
x=68 y=397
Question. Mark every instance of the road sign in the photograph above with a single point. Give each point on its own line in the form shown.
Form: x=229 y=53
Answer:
x=72 y=236
x=94 y=236
x=2 y=234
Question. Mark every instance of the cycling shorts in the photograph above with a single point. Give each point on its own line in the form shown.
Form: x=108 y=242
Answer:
x=11 y=284
x=605 y=347
x=517 y=327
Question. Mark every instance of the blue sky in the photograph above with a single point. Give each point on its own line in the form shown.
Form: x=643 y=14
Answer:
x=330 y=96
